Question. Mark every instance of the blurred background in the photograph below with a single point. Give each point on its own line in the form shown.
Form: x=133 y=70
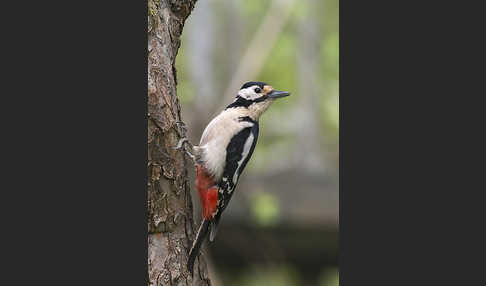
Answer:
x=281 y=226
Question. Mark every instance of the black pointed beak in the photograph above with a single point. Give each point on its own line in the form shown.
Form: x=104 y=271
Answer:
x=278 y=94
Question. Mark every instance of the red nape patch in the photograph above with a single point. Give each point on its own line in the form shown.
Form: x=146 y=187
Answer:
x=208 y=192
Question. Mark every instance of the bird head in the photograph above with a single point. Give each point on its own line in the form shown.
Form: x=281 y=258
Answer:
x=256 y=97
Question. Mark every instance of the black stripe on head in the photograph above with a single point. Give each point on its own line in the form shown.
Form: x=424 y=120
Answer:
x=252 y=83
x=240 y=102
x=243 y=102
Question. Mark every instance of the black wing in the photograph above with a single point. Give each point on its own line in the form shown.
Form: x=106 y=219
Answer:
x=235 y=164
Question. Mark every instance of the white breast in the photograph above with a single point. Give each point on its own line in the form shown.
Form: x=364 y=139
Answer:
x=216 y=138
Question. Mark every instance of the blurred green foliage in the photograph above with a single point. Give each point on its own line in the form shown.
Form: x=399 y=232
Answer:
x=265 y=208
x=279 y=275
x=273 y=276
x=278 y=139
x=280 y=68
x=329 y=277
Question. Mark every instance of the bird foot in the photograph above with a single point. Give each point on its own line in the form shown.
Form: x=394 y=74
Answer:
x=182 y=145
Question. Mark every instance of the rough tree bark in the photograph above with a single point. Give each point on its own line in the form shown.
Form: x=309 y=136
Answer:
x=171 y=227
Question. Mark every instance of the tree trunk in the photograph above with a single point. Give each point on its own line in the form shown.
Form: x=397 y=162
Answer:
x=171 y=227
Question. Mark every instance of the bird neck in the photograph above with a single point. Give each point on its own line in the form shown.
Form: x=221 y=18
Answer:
x=255 y=110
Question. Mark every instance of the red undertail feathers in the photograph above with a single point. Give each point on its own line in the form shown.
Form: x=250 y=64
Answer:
x=208 y=192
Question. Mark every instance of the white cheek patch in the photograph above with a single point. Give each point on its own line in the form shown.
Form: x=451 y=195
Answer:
x=249 y=93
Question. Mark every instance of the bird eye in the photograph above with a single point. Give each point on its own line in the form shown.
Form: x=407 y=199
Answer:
x=258 y=90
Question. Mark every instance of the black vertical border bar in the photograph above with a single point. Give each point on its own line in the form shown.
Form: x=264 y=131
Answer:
x=379 y=60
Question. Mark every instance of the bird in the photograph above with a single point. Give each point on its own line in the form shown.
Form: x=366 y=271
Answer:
x=225 y=147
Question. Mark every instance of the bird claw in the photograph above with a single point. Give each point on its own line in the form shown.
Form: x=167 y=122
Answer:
x=181 y=123
x=193 y=158
x=180 y=145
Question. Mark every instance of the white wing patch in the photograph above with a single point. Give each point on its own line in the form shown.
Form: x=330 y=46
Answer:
x=246 y=150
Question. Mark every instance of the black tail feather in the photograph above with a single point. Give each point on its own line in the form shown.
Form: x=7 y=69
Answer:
x=201 y=234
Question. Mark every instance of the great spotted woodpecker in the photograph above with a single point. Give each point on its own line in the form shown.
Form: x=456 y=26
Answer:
x=226 y=145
